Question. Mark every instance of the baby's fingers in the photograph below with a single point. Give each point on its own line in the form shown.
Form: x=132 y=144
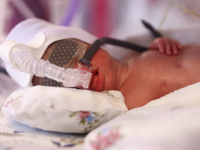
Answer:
x=176 y=47
x=165 y=45
x=168 y=46
x=161 y=44
x=178 y=44
x=153 y=46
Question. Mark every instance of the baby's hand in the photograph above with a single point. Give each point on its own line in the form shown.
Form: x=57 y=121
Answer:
x=165 y=45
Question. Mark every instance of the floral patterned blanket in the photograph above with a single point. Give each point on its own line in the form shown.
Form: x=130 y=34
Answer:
x=16 y=136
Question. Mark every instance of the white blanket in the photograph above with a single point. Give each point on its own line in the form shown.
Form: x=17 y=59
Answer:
x=16 y=136
x=171 y=122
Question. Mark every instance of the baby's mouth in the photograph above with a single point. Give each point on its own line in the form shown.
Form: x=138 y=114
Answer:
x=97 y=80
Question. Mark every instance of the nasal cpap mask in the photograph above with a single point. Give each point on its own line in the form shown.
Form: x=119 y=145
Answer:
x=23 y=58
x=27 y=42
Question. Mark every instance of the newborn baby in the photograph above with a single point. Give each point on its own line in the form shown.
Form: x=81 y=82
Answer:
x=141 y=77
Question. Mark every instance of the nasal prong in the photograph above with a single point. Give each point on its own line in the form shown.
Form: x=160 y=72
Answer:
x=84 y=66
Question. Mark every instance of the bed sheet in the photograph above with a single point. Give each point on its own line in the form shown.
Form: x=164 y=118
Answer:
x=16 y=136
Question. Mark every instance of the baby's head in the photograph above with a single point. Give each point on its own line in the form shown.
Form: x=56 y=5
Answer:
x=66 y=53
x=64 y=47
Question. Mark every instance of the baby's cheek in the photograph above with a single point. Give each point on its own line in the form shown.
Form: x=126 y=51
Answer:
x=101 y=54
x=110 y=78
x=109 y=84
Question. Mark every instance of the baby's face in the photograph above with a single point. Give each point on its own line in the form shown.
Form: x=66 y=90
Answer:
x=66 y=53
x=104 y=72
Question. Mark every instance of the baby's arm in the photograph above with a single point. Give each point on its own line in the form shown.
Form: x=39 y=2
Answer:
x=165 y=45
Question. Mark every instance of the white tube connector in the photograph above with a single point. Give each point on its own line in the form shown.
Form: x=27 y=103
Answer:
x=22 y=58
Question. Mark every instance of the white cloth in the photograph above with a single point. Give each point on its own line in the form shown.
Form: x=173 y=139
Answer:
x=62 y=109
x=170 y=122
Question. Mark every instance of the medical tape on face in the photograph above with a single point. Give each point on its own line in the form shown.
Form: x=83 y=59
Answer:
x=66 y=54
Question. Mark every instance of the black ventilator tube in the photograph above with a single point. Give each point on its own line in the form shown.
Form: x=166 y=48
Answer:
x=3 y=70
x=152 y=30
x=106 y=40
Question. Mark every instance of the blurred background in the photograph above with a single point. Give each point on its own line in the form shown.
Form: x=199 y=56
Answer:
x=100 y=17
